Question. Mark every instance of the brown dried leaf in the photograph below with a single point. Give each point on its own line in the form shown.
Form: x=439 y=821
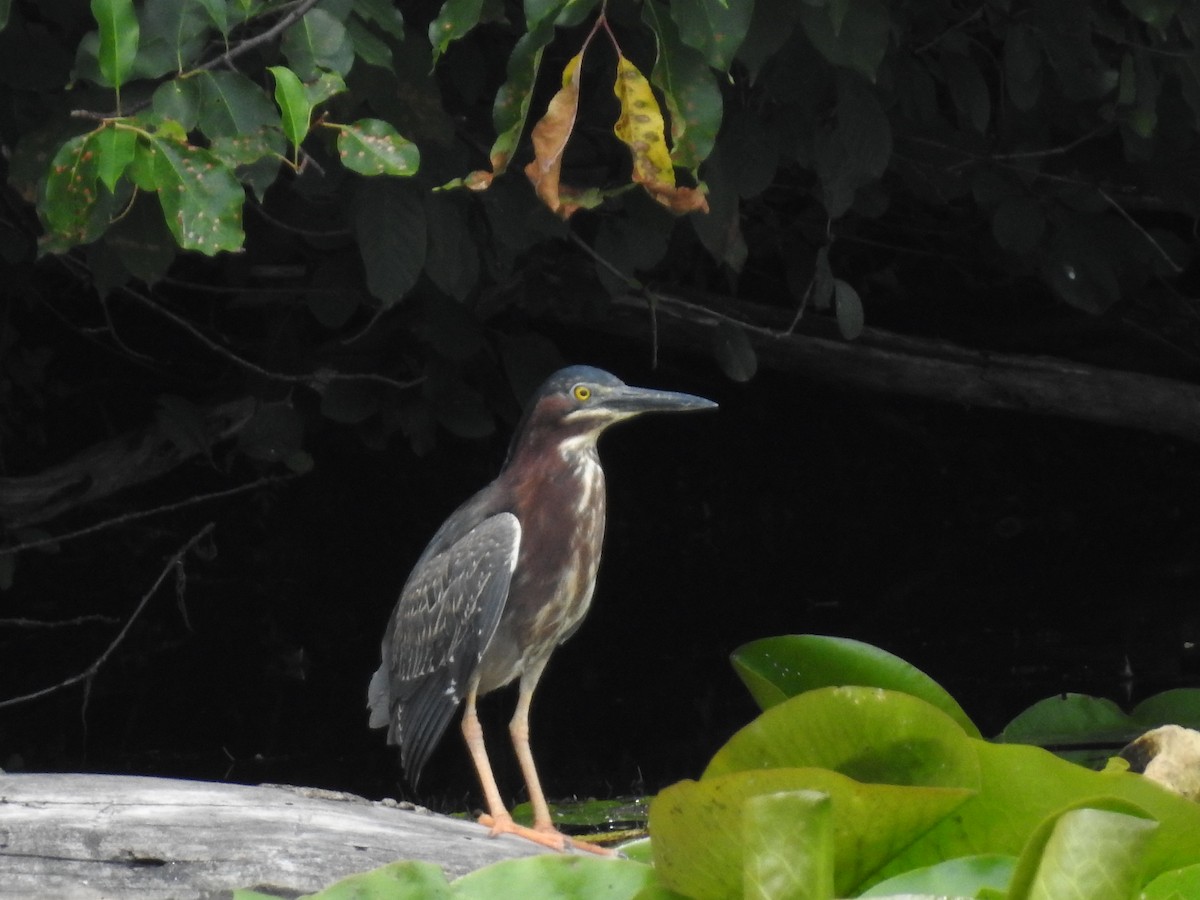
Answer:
x=550 y=136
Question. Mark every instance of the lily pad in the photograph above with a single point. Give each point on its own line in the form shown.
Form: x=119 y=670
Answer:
x=699 y=833
x=780 y=667
x=869 y=734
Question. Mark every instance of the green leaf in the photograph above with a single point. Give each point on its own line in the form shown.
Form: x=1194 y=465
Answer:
x=1021 y=786
x=689 y=88
x=965 y=876
x=231 y=104
x=141 y=241
x=173 y=35
x=847 y=309
x=114 y=148
x=200 y=196
x=771 y=24
x=293 y=103
x=1156 y=13
x=318 y=41
x=456 y=18
x=511 y=107
x=5 y=8
x=734 y=352
x=788 y=846
x=373 y=147
x=714 y=27
x=781 y=667
x=861 y=42
x=1179 y=706
x=368 y=47
x=118 y=39
x=244 y=150
x=409 y=880
x=218 y=14
x=1087 y=852
x=1179 y=884
x=855 y=149
x=389 y=224
x=328 y=84
x=1068 y=718
x=870 y=734
x=72 y=204
x=968 y=89
x=179 y=100
x=383 y=14
x=452 y=262
x=699 y=831
x=579 y=877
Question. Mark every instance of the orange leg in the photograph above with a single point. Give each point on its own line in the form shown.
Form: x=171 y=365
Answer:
x=498 y=818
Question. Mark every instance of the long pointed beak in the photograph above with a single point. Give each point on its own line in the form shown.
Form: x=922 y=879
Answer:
x=631 y=401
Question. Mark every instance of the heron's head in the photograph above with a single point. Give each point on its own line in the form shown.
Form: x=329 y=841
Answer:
x=579 y=402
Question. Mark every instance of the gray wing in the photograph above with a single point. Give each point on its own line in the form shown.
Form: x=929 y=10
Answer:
x=443 y=622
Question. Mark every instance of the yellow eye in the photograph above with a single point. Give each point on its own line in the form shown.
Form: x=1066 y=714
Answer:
x=582 y=392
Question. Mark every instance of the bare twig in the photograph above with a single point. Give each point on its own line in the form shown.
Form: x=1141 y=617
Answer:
x=39 y=624
x=1147 y=236
x=142 y=514
x=174 y=563
x=297 y=13
x=309 y=379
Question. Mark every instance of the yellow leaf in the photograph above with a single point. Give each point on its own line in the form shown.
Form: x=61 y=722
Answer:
x=550 y=136
x=642 y=129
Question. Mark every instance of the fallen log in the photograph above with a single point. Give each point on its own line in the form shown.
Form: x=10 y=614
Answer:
x=102 y=836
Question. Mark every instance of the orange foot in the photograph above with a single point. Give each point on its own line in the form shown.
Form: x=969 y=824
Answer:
x=546 y=837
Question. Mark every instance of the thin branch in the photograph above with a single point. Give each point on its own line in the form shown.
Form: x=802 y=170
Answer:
x=297 y=12
x=1147 y=236
x=145 y=513
x=174 y=563
x=270 y=34
x=308 y=379
x=36 y=624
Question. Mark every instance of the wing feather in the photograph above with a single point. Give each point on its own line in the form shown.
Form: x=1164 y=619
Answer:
x=441 y=626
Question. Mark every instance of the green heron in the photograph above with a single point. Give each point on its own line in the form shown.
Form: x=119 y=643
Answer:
x=506 y=579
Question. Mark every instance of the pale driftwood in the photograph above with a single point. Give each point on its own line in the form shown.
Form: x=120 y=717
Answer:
x=116 y=836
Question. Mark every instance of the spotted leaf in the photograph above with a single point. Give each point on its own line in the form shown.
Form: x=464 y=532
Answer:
x=200 y=196
x=642 y=129
x=373 y=147
x=71 y=195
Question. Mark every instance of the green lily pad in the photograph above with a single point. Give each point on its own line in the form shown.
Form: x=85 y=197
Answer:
x=869 y=734
x=780 y=667
x=698 y=828
x=1178 y=884
x=1085 y=852
x=574 y=876
x=409 y=880
x=1022 y=786
x=788 y=846
x=966 y=876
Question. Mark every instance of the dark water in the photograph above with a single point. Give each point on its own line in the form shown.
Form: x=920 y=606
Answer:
x=1009 y=557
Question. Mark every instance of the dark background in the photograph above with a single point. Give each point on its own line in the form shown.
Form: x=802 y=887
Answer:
x=1011 y=557
x=1039 y=196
